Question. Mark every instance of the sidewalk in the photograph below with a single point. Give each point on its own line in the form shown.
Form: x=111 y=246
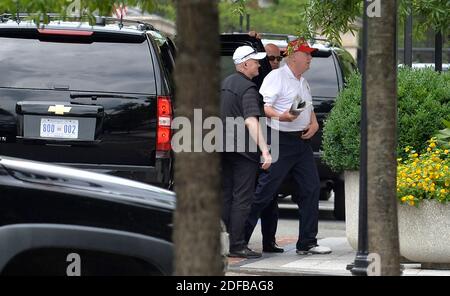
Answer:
x=289 y=263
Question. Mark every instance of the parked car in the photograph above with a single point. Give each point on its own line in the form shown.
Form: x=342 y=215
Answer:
x=329 y=70
x=96 y=97
x=48 y=213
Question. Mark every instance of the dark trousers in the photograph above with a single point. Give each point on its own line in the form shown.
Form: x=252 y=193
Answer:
x=269 y=222
x=239 y=178
x=296 y=157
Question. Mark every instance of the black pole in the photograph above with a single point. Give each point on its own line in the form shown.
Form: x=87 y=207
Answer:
x=17 y=12
x=408 y=39
x=361 y=262
x=248 y=22
x=241 y=23
x=438 y=52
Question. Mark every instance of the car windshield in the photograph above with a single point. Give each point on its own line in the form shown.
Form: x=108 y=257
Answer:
x=97 y=66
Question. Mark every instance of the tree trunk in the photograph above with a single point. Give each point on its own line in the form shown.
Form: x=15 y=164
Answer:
x=197 y=178
x=382 y=124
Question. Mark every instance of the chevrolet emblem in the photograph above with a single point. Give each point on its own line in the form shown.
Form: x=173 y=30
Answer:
x=59 y=109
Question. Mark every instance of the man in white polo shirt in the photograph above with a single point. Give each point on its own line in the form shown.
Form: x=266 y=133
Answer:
x=280 y=89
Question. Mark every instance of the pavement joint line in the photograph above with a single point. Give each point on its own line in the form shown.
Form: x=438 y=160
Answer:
x=334 y=264
x=286 y=272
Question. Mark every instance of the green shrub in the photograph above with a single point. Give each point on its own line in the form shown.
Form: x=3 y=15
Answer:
x=341 y=129
x=423 y=101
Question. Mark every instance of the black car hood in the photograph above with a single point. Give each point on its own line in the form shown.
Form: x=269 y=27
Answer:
x=89 y=182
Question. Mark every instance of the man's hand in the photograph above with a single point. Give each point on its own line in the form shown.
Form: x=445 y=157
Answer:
x=311 y=130
x=286 y=116
x=267 y=158
x=254 y=34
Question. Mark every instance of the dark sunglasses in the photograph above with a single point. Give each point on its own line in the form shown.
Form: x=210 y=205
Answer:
x=273 y=58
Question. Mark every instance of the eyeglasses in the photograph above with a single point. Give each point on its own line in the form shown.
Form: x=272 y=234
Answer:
x=273 y=58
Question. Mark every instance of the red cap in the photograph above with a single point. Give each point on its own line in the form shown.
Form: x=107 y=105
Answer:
x=299 y=45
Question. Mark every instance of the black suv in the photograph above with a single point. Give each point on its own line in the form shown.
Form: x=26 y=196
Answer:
x=56 y=220
x=329 y=70
x=96 y=97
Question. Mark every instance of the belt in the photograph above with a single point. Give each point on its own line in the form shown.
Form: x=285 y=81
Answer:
x=295 y=133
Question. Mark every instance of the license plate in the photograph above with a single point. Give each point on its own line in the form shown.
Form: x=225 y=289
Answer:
x=59 y=128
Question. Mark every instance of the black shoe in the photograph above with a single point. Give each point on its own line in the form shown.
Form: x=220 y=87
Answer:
x=244 y=253
x=272 y=248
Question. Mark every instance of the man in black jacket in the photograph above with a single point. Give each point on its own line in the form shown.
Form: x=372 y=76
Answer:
x=240 y=109
x=269 y=216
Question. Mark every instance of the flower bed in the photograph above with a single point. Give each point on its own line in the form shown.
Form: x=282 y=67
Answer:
x=424 y=176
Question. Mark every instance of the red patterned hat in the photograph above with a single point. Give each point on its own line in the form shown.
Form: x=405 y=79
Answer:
x=299 y=45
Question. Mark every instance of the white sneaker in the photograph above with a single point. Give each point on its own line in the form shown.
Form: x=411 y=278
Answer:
x=315 y=250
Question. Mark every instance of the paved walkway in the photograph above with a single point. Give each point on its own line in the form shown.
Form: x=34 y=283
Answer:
x=289 y=263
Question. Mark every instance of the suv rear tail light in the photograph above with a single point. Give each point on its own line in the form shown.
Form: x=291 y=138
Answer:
x=164 y=133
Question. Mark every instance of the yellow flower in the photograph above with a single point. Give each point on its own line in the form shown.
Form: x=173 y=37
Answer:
x=407 y=149
x=427 y=174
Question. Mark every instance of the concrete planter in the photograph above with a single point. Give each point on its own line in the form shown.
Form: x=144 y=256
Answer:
x=352 y=207
x=424 y=232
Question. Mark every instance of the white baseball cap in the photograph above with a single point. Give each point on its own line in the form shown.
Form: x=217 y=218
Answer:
x=245 y=53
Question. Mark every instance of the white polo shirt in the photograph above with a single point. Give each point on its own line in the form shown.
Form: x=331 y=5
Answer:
x=279 y=89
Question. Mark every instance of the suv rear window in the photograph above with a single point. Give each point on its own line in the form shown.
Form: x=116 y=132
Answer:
x=96 y=67
x=322 y=77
